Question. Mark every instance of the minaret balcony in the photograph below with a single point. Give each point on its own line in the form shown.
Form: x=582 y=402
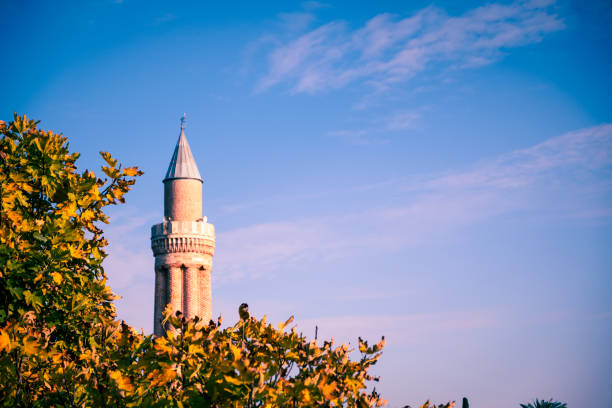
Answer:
x=183 y=236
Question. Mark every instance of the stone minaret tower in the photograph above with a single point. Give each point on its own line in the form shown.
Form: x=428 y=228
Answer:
x=184 y=243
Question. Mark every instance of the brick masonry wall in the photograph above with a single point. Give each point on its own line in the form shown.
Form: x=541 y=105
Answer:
x=183 y=199
x=183 y=269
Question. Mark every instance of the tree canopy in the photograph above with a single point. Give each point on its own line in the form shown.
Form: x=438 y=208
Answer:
x=61 y=343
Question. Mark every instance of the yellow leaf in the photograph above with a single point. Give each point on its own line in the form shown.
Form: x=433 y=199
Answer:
x=57 y=357
x=130 y=171
x=162 y=376
x=354 y=385
x=194 y=349
x=87 y=215
x=57 y=277
x=291 y=355
x=161 y=346
x=328 y=389
x=235 y=351
x=233 y=380
x=281 y=326
x=5 y=341
x=305 y=395
x=75 y=252
x=168 y=373
x=30 y=345
x=68 y=210
x=122 y=382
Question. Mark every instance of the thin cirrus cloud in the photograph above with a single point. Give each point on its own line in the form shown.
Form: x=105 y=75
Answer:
x=582 y=149
x=565 y=176
x=400 y=121
x=388 y=49
x=357 y=137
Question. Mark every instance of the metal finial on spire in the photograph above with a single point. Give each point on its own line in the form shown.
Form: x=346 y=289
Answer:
x=183 y=120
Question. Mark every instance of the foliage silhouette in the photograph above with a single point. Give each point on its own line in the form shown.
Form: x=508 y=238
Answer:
x=544 y=404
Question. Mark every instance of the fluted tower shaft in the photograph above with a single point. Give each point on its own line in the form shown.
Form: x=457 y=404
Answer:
x=184 y=244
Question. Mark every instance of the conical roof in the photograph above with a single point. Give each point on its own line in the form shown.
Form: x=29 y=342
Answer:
x=182 y=164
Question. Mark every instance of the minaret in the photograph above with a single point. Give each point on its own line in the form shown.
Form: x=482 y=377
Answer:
x=183 y=245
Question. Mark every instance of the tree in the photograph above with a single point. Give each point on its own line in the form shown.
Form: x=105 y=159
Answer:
x=60 y=342
x=544 y=404
x=53 y=292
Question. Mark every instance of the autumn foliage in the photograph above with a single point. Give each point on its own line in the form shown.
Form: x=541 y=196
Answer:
x=60 y=342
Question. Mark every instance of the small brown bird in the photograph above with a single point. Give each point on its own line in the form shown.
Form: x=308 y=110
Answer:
x=243 y=311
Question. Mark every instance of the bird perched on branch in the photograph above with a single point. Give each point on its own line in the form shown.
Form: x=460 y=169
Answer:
x=243 y=311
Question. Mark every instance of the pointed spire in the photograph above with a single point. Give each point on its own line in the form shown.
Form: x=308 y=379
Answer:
x=182 y=164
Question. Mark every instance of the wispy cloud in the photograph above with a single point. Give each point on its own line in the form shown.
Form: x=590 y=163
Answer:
x=357 y=137
x=377 y=131
x=297 y=21
x=541 y=178
x=550 y=176
x=389 y=49
x=314 y=5
x=586 y=149
x=403 y=121
x=258 y=249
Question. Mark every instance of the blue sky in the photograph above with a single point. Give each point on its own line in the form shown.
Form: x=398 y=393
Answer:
x=436 y=172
